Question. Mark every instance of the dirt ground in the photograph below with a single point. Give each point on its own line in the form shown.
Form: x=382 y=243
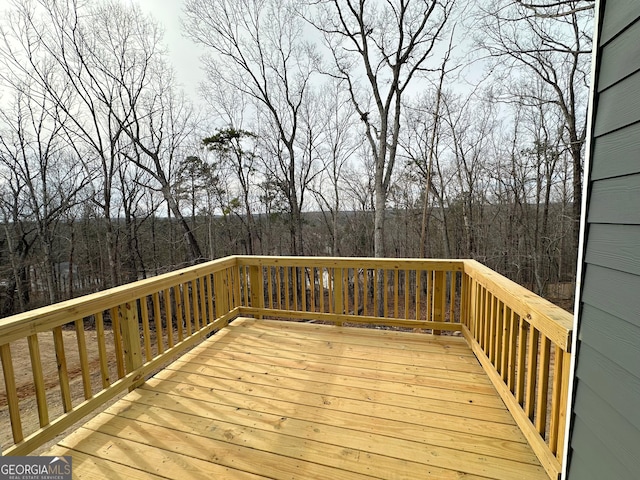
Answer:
x=24 y=378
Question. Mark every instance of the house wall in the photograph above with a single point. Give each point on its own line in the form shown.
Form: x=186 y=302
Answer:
x=605 y=430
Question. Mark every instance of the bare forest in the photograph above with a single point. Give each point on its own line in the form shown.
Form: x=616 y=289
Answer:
x=387 y=128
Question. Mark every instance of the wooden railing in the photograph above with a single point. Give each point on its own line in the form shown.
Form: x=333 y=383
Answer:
x=524 y=344
x=521 y=340
x=106 y=343
x=412 y=293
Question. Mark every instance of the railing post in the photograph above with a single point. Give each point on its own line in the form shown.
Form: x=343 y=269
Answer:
x=257 y=287
x=130 y=330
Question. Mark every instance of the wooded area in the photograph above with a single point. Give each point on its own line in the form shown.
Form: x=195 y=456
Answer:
x=345 y=128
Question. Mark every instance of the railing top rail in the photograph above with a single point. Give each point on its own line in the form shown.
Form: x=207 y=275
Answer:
x=45 y=318
x=551 y=320
x=361 y=262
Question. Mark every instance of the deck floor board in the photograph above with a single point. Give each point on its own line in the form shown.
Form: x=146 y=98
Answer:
x=266 y=399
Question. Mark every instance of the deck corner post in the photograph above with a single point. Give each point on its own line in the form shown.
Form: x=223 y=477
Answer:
x=257 y=287
x=130 y=330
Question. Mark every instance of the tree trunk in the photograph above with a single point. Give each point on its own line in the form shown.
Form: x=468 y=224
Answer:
x=195 y=254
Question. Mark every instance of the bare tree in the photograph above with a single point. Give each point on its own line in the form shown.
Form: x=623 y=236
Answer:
x=389 y=44
x=337 y=145
x=552 y=41
x=259 y=52
x=32 y=149
x=236 y=149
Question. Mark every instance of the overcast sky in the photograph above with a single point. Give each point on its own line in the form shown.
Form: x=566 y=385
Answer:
x=183 y=53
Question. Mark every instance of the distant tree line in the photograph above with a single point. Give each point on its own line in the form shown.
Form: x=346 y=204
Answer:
x=324 y=128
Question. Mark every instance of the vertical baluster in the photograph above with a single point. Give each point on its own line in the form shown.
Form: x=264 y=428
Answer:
x=84 y=359
x=168 y=317
x=102 y=350
x=212 y=313
x=479 y=312
x=177 y=296
x=406 y=294
x=492 y=323
x=12 y=393
x=157 y=321
x=385 y=292
x=321 y=287
x=429 y=313
x=303 y=288
x=63 y=374
x=513 y=333
x=522 y=346
x=237 y=301
x=439 y=298
x=465 y=300
x=312 y=289
x=228 y=283
x=365 y=292
x=270 y=285
x=488 y=321
x=374 y=304
x=117 y=341
x=338 y=296
x=287 y=289
x=204 y=315
x=294 y=277
x=146 y=331
x=38 y=380
x=356 y=287
x=417 y=293
x=532 y=368
x=186 y=300
x=195 y=305
x=562 y=417
x=452 y=296
x=395 y=292
x=556 y=394
x=331 y=288
x=506 y=319
x=543 y=386
x=278 y=288
x=499 y=314
x=345 y=290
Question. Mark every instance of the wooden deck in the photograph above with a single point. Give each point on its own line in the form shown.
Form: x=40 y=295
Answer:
x=267 y=399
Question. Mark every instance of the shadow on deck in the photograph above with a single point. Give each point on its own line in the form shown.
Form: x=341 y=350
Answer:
x=273 y=399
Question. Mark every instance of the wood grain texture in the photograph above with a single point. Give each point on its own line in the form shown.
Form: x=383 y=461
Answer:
x=292 y=400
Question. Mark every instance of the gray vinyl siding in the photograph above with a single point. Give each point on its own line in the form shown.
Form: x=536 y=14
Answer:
x=624 y=13
x=616 y=200
x=620 y=149
x=614 y=246
x=605 y=429
x=621 y=434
